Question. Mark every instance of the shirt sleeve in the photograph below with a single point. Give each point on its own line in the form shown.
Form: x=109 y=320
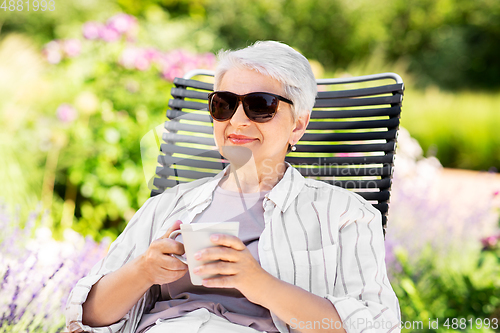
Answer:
x=132 y=242
x=362 y=295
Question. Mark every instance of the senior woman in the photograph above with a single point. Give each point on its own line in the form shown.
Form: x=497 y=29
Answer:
x=309 y=256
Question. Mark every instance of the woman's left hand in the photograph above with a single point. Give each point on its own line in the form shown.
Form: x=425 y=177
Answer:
x=239 y=268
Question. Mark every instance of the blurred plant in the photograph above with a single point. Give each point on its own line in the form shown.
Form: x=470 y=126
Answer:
x=117 y=26
x=37 y=273
x=86 y=108
x=439 y=266
x=119 y=89
x=56 y=50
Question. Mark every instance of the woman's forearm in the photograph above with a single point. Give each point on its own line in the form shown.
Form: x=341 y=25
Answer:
x=297 y=307
x=114 y=295
x=117 y=292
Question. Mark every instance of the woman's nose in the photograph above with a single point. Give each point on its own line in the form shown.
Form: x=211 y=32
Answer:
x=240 y=118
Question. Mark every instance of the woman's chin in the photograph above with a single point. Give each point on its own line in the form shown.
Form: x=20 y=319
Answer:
x=237 y=155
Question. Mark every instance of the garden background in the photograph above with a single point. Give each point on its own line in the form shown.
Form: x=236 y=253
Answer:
x=84 y=83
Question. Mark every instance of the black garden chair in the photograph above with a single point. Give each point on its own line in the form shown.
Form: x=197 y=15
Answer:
x=350 y=141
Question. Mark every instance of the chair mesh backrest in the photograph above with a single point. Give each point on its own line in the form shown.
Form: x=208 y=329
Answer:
x=349 y=142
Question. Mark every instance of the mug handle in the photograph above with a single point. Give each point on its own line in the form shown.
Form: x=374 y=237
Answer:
x=172 y=236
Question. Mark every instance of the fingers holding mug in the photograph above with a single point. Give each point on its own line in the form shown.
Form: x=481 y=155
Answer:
x=175 y=226
x=177 y=254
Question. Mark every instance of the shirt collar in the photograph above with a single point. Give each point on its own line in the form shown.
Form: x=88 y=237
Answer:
x=282 y=194
x=287 y=189
x=206 y=189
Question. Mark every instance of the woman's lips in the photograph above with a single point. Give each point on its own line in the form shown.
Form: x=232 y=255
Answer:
x=240 y=139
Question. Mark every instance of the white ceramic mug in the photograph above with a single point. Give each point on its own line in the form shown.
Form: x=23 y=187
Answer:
x=196 y=237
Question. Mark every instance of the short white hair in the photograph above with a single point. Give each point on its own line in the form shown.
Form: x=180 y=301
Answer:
x=279 y=61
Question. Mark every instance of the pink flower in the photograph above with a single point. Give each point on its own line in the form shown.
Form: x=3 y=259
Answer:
x=66 y=113
x=490 y=242
x=91 y=30
x=151 y=54
x=53 y=52
x=122 y=22
x=141 y=62
x=109 y=34
x=137 y=58
x=171 y=72
x=128 y=57
x=72 y=47
x=496 y=193
x=207 y=61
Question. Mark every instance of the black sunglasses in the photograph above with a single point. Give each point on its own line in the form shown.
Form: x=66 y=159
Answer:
x=259 y=107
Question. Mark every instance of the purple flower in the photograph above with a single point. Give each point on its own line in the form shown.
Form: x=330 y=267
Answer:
x=66 y=113
x=72 y=47
x=36 y=290
x=91 y=30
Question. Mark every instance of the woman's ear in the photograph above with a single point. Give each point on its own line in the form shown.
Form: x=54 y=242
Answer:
x=300 y=127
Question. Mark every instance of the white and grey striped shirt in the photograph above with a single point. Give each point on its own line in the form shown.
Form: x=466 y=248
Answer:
x=320 y=237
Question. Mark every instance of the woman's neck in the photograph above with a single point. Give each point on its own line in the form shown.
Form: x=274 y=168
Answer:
x=252 y=177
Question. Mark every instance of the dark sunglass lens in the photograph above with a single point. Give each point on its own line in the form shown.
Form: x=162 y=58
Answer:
x=261 y=107
x=222 y=105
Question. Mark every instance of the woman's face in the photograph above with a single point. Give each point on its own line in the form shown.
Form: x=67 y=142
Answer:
x=268 y=142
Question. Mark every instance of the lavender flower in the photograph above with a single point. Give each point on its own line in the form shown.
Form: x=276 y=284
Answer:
x=38 y=274
x=421 y=216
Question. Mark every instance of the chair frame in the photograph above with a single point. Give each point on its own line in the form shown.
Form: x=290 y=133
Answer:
x=360 y=159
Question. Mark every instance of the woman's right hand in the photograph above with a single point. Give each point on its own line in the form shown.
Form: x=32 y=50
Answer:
x=158 y=266
x=117 y=292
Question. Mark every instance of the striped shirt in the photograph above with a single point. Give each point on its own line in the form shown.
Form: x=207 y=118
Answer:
x=322 y=238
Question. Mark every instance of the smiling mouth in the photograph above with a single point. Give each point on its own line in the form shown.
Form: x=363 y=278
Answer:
x=240 y=139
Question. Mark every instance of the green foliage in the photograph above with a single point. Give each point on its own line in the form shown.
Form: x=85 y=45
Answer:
x=461 y=130
x=44 y=26
x=465 y=285
x=102 y=158
x=452 y=43
x=325 y=30
x=175 y=8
